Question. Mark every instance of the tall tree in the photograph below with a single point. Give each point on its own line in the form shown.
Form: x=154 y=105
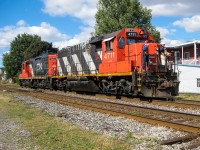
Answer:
x=7 y=62
x=113 y=15
x=23 y=47
x=38 y=47
x=12 y=61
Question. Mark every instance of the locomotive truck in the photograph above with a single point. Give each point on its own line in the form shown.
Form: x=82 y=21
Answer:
x=110 y=64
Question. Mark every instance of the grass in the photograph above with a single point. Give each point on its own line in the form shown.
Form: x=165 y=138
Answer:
x=188 y=96
x=48 y=132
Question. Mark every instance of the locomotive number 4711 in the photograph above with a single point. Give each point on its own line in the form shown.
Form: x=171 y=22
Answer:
x=109 y=55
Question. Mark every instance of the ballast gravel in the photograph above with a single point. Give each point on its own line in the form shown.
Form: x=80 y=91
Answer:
x=138 y=103
x=147 y=136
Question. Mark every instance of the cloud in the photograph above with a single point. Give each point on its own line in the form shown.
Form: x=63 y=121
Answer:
x=45 y=30
x=189 y=24
x=21 y=23
x=85 y=9
x=78 y=38
x=47 y=33
x=82 y=9
x=181 y=8
x=164 y=31
x=170 y=42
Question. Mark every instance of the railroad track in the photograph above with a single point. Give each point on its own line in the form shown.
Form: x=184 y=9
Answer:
x=180 y=121
x=177 y=120
x=173 y=119
x=193 y=104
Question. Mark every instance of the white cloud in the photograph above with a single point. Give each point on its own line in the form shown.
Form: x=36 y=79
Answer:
x=172 y=8
x=47 y=33
x=189 y=24
x=86 y=9
x=82 y=9
x=45 y=30
x=164 y=31
x=170 y=42
x=21 y=23
x=82 y=37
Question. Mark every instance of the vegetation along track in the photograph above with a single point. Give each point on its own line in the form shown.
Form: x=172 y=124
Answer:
x=177 y=120
x=194 y=104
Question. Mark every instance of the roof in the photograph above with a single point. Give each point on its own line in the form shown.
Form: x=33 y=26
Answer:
x=113 y=34
x=96 y=39
x=185 y=44
x=102 y=37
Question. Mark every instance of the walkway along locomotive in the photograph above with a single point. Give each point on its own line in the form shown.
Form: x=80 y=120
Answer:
x=109 y=64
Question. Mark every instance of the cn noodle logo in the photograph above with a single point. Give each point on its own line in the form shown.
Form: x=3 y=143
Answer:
x=39 y=66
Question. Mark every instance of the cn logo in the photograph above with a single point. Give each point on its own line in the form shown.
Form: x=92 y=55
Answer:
x=39 y=66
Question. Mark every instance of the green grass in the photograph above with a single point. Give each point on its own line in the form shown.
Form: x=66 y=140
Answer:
x=188 y=96
x=48 y=132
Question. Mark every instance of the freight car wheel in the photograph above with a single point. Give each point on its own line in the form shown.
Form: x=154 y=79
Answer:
x=65 y=89
x=170 y=99
x=143 y=98
x=118 y=96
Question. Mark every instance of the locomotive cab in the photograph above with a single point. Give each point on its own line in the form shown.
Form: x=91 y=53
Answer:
x=122 y=56
x=122 y=50
x=26 y=70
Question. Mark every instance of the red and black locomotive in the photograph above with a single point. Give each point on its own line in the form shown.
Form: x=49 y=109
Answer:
x=109 y=64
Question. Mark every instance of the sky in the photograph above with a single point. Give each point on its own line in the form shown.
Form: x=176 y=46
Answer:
x=67 y=22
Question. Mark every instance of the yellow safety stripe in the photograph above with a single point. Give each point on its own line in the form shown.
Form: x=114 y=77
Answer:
x=85 y=75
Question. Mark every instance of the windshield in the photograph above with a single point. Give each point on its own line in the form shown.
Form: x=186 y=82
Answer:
x=130 y=41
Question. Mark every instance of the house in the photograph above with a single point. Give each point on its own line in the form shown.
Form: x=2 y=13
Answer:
x=187 y=56
x=186 y=53
x=2 y=74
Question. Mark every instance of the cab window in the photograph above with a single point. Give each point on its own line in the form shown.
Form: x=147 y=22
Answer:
x=130 y=41
x=27 y=65
x=121 y=42
x=109 y=45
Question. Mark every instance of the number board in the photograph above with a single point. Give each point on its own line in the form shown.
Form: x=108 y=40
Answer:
x=131 y=34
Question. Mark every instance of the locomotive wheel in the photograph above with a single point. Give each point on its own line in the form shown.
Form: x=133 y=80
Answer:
x=150 y=100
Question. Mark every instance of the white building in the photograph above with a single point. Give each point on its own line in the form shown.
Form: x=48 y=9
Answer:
x=187 y=56
x=189 y=78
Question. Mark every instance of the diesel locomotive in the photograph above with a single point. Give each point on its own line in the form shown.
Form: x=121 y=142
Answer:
x=109 y=64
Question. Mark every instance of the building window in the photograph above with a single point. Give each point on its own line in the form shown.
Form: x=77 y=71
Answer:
x=177 y=55
x=186 y=55
x=198 y=82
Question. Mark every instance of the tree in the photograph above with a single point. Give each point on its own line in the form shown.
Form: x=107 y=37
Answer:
x=7 y=62
x=16 y=56
x=113 y=15
x=38 y=47
x=23 y=47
